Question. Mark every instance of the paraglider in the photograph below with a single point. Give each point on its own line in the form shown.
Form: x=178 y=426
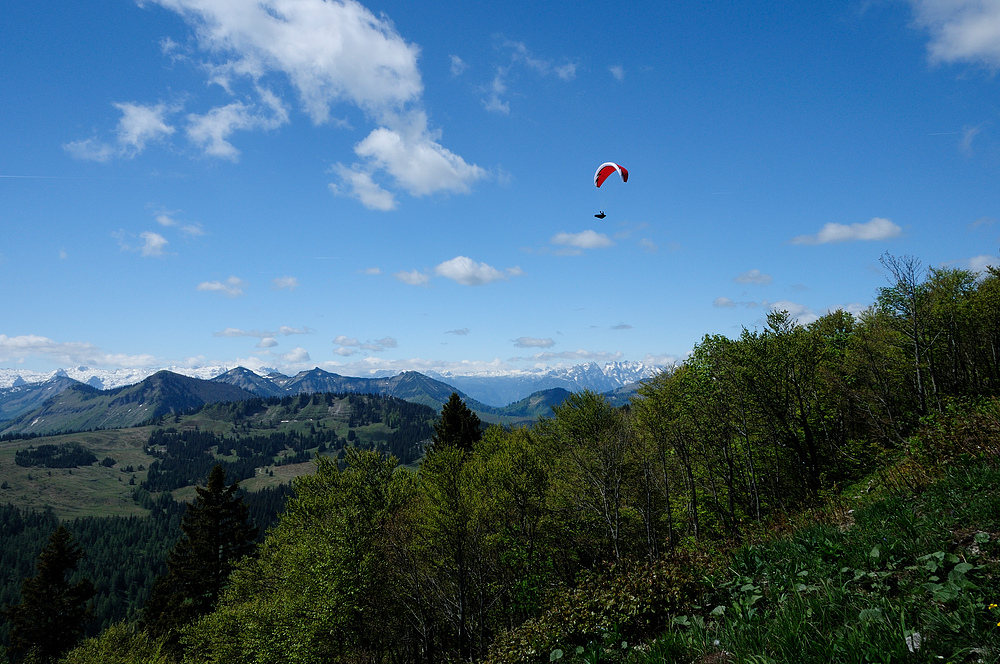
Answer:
x=606 y=169
x=603 y=172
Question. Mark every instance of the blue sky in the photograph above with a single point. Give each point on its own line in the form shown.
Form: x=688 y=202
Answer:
x=408 y=185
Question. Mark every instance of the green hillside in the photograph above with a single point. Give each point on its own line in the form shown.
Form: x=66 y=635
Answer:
x=306 y=422
x=83 y=408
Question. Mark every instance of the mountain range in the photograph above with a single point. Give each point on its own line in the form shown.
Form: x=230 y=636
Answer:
x=62 y=404
x=497 y=389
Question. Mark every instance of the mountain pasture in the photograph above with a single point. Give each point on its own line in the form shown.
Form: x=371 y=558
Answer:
x=323 y=423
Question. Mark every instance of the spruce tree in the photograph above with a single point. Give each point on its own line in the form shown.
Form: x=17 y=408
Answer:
x=52 y=614
x=216 y=532
x=458 y=427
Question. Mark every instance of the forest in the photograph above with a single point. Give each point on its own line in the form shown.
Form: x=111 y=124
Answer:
x=125 y=555
x=606 y=533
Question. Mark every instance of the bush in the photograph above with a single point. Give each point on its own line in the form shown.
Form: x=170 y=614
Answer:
x=119 y=644
x=629 y=602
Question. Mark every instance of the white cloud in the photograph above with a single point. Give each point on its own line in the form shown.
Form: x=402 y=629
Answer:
x=876 y=229
x=723 y=302
x=961 y=30
x=374 y=271
x=754 y=276
x=330 y=51
x=153 y=244
x=285 y=283
x=210 y=130
x=347 y=346
x=148 y=243
x=379 y=345
x=532 y=342
x=413 y=277
x=357 y=183
x=267 y=342
x=138 y=126
x=976 y=263
x=167 y=219
x=141 y=124
x=968 y=135
x=617 y=71
x=493 y=101
x=459 y=332
x=458 y=66
x=980 y=263
x=466 y=271
x=232 y=287
x=284 y=330
x=665 y=360
x=566 y=72
x=295 y=355
x=800 y=312
x=90 y=149
x=235 y=332
x=520 y=56
x=570 y=355
x=411 y=155
x=588 y=239
x=74 y=353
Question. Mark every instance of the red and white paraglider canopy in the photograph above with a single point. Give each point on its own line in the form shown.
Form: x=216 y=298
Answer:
x=606 y=169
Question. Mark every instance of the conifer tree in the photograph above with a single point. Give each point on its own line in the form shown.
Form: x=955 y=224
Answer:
x=52 y=614
x=216 y=532
x=458 y=427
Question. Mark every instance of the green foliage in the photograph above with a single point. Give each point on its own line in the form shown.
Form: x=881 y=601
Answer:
x=52 y=614
x=909 y=580
x=627 y=602
x=573 y=540
x=323 y=587
x=458 y=427
x=120 y=643
x=216 y=534
x=67 y=455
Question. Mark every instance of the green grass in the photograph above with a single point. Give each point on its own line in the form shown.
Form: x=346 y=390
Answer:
x=912 y=577
x=100 y=491
x=87 y=491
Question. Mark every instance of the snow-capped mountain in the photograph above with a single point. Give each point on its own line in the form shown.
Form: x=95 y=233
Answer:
x=495 y=389
x=502 y=388
x=103 y=379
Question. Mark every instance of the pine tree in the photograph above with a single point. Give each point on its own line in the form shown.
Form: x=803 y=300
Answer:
x=458 y=427
x=216 y=533
x=52 y=614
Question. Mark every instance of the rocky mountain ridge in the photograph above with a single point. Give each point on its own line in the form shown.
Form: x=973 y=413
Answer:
x=496 y=389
